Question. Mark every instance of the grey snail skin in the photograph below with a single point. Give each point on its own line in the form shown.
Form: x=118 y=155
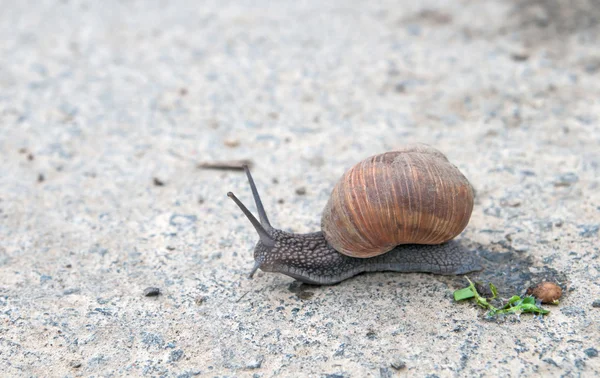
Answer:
x=397 y=211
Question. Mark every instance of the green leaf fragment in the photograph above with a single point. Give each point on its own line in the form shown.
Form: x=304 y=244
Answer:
x=494 y=290
x=515 y=305
x=465 y=293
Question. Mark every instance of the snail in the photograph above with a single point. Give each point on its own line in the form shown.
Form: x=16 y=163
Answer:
x=397 y=211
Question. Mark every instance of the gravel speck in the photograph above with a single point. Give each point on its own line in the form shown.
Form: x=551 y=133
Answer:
x=591 y=352
x=596 y=303
x=175 y=355
x=255 y=364
x=151 y=291
x=385 y=373
x=589 y=230
x=75 y=364
x=398 y=363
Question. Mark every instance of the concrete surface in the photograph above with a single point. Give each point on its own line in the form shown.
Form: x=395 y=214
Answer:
x=99 y=99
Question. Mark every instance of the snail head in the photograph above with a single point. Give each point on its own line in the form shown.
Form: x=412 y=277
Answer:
x=266 y=242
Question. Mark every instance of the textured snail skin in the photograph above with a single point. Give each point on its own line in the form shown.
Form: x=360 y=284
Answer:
x=310 y=259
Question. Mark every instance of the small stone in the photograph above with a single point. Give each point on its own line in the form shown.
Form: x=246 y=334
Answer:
x=45 y=278
x=566 y=179
x=158 y=182
x=596 y=303
x=71 y=291
x=151 y=292
x=398 y=363
x=41 y=178
x=304 y=295
x=511 y=202
x=256 y=364
x=589 y=230
x=385 y=373
x=175 y=355
x=231 y=143
x=400 y=88
x=75 y=364
x=301 y=191
x=199 y=300
x=591 y=352
x=519 y=56
x=551 y=362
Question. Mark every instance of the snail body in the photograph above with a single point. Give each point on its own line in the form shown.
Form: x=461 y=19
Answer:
x=397 y=211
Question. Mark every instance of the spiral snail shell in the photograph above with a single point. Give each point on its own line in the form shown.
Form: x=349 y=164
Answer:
x=409 y=196
x=397 y=211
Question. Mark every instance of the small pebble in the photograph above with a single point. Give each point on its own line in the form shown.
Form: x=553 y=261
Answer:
x=304 y=295
x=256 y=364
x=301 y=191
x=398 y=363
x=385 y=373
x=589 y=230
x=158 y=182
x=41 y=178
x=231 y=143
x=566 y=179
x=591 y=352
x=151 y=292
x=596 y=303
x=520 y=56
x=199 y=300
x=75 y=364
x=175 y=355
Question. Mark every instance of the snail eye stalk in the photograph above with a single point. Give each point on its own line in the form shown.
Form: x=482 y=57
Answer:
x=262 y=214
x=264 y=236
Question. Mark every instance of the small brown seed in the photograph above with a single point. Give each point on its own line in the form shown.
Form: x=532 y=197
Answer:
x=547 y=292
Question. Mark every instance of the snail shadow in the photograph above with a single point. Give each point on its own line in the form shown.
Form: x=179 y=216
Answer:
x=508 y=269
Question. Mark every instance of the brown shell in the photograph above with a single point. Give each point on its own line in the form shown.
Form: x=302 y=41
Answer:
x=410 y=196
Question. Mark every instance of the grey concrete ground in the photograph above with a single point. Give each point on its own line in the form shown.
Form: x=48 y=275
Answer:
x=102 y=102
